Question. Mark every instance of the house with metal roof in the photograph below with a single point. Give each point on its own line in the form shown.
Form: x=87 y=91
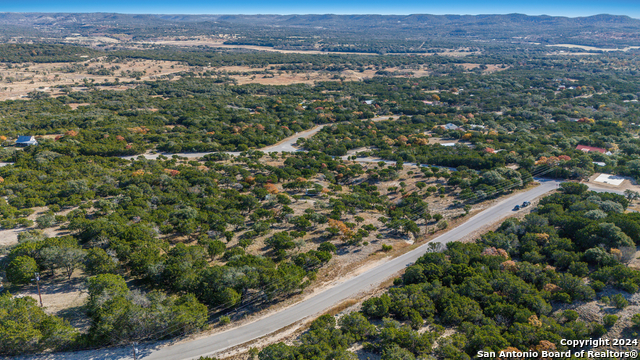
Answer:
x=450 y=126
x=592 y=149
x=26 y=141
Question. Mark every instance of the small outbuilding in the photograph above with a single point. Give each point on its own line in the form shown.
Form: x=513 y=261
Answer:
x=26 y=141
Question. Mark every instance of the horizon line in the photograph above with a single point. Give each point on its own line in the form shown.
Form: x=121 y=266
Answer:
x=305 y=14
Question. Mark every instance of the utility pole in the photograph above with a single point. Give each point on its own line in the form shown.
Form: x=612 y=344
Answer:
x=135 y=351
x=37 y=280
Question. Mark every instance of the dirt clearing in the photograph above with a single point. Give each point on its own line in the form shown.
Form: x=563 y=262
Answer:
x=19 y=80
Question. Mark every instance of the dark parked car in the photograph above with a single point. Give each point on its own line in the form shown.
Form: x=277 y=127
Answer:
x=516 y=208
x=525 y=204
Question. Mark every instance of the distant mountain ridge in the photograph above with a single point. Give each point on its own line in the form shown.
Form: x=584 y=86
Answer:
x=329 y=20
x=601 y=30
x=315 y=19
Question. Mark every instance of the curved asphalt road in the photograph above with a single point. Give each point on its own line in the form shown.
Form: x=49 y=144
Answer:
x=286 y=145
x=343 y=291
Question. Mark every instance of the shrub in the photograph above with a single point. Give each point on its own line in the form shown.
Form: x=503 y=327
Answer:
x=619 y=301
x=386 y=248
x=21 y=270
x=441 y=225
x=224 y=320
x=579 y=269
x=27 y=328
x=356 y=326
x=609 y=320
x=98 y=261
x=562 y=297
x=597 y=330
x=597 y=285
x=629 y=287
x=570 y=315
x=233 y=252
x=377 y=307
x=415 y=319
x=215 y=248
x=328 y=247
x=573 y=188
x=24 y=222
x=245 y=243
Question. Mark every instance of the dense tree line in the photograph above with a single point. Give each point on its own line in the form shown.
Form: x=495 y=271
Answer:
x=43 y=53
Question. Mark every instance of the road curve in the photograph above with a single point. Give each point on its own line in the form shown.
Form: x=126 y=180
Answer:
x=286 y=145
x=215 y=343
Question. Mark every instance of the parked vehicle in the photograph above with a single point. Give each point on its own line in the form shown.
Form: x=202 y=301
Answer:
x=516 y=208
x=525 y=204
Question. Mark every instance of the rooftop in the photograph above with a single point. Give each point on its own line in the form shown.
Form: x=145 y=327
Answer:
x=591 y=148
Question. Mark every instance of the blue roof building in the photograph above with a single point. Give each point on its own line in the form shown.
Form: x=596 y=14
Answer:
x=26 y=141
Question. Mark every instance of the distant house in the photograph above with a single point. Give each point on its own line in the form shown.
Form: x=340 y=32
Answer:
x=26 y=141
x=592 y=148
x=450 y=126
x=369 y=102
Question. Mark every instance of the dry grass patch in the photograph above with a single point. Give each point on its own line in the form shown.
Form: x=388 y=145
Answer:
x=21 y=79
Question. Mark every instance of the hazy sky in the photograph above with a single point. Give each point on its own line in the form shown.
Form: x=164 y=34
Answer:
x=532 y=7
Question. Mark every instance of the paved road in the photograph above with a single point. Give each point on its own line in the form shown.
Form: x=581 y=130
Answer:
x=335 y=295
x=325 y=300
x=286 y=145
x=345 y=290
x=391 y=162
x=596 y=188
